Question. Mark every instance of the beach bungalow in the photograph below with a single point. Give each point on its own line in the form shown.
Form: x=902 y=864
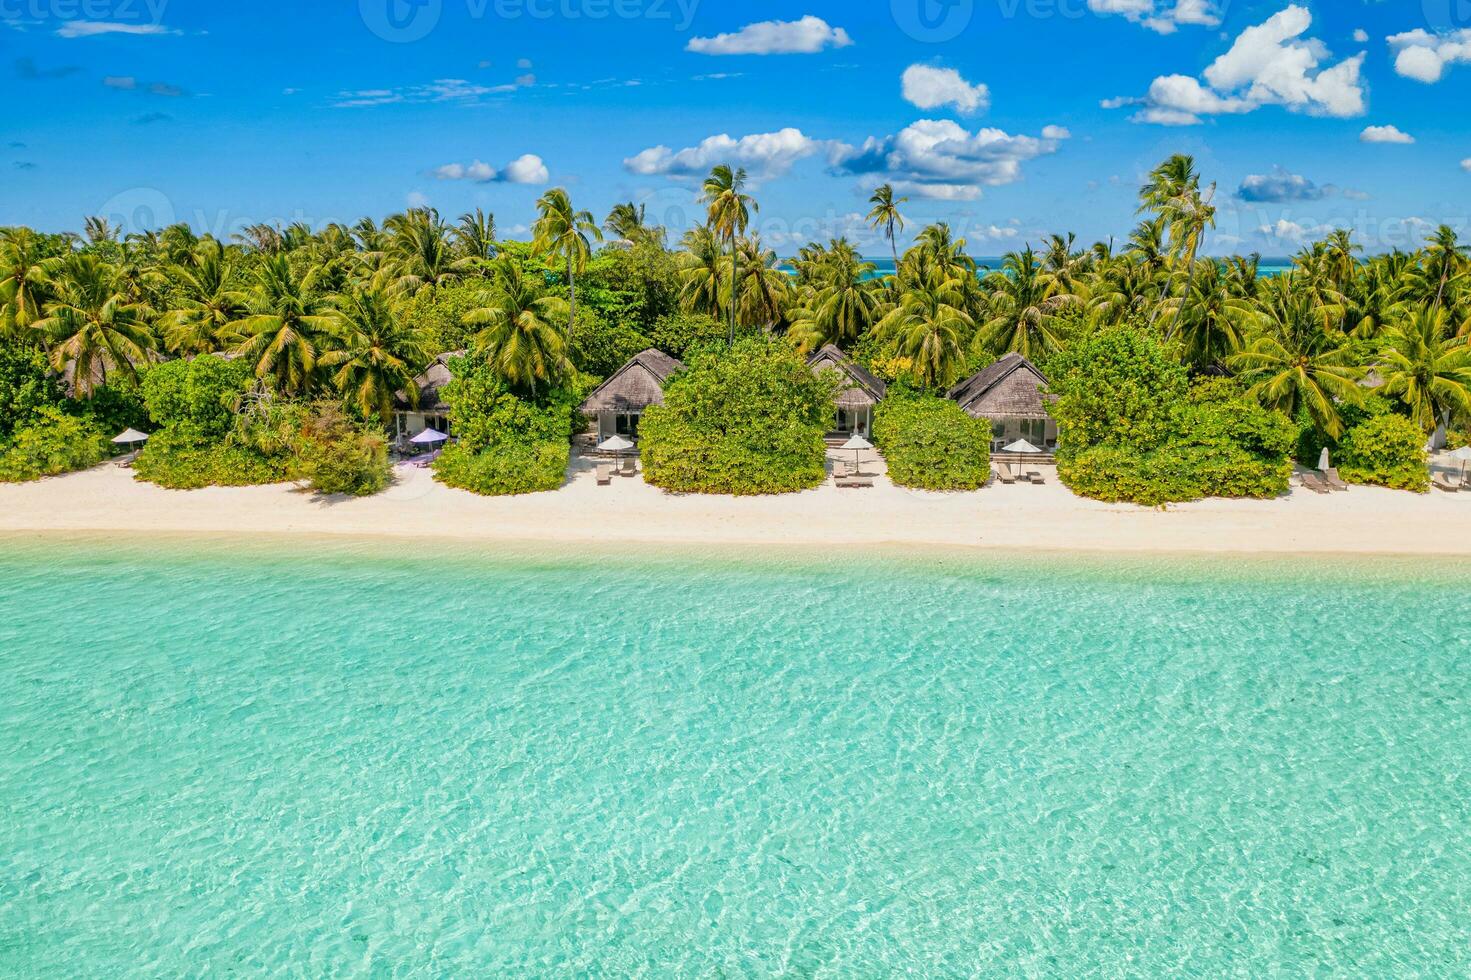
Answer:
x=620 y=402
x=859 y=395
x=430 y=412
x=1010 y=394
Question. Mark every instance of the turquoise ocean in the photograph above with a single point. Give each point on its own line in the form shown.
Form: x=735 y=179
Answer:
x=228 y=758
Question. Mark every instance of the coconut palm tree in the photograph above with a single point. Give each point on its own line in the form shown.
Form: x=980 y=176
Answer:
x=703 y=270
x=763 y=288
x=475 y=235
x=1293 y=364
x=841 y=306
x=562 y=232
x=24 y=285
x=521 y=333
x=376 y=352
x=1445 y=263
x=885 y=216
x=1216 y=319
x=1173 y=195
x=1022 y=312
x=419 y=242
x=206 y=299
x=90 y=327
x=1429 y=373
x=626 y=222
x=728 y=214
x=284 y=327
x=928 y=327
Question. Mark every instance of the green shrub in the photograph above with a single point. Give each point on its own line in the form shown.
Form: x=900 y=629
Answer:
x=27 y=385
x=932 y=444
x=600 y=348
x=507 y=444
x=50 y=444
x=680 y=333
x=178 y=461
x=196 y=398
x=335 y=455
x=1117 y=388
x=1387 y=451
x=1175 y=473
x=746 y=421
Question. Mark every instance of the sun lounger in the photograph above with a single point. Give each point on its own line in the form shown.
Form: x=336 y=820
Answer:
x=1035 y=476
x=1314 y=483
x=425 y=461
x=605 y=476
x=840 y=471
x=1005 y=475
x=1334 y=481
x=630 y=467
x=1441 y=482
x=855 y=483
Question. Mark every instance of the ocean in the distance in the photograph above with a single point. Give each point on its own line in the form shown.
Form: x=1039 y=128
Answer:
x=230 y=759
x=883 y=265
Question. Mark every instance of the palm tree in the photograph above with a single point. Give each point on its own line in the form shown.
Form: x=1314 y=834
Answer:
x=98 y=230
x=1293 y=364
x=1173 y=194
x=841 y=306
x=1025 y=301
x=885 y=215
x=24 y=286
x=521 y=336
x=562 y=232
x=702 y=273
x=89 y=325
x=206 y=301
x=1426 y=371
x=626 y=222
x=1216 y=319
x=763 y=287
x=376 y=353
x=1445 y=261
x=420 y=243
x=284 y=327
x=475 y=235
x=927 y=328
x=729 y=215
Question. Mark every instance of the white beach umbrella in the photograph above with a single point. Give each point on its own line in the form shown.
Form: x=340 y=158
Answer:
x=616 y=444
x=130 y=437
x=858 y=445
x=1325 y=461
x=1462 y=456
x=429 y=437
x=1023 y=448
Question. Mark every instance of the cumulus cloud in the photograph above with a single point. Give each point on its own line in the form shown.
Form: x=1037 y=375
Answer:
x=1466 y=165
x=1424 y=56
x=1361 y=36
x=1269 y=64
x=1385 y=134
x=806 y=36
x=763 y=154
x=1295 y=233
x=932 y=88
x=526 y=169
x=93 y=28
x=1279 y=187
x=1161 y=16
x=454 y=90
x=940 y=159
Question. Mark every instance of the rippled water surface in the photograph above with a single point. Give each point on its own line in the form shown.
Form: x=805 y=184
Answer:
x=227 y=760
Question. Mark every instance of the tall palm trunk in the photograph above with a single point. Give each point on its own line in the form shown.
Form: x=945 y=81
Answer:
x=1184 y=296
x=894 y=247
x=735 y=281
x=572 y=307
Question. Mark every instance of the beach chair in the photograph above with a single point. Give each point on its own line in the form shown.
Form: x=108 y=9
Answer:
x=605 y=476
x=1334 y=481
x=630 y=467
x=1445 y=483
x=855 y=483
x=1314 y=483
x=840 y=471
x=1005 y=475
x=1036 y=477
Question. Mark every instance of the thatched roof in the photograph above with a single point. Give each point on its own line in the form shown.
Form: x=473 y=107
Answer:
x=861 y=388
x=1010 y=388
x=430 y=383
x=635 y=386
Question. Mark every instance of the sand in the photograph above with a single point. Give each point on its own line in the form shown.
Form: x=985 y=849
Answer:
x=1364 y=521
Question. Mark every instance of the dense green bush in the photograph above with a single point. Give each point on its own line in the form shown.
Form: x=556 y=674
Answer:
x=746 y=421
x=196 y=398
x=932 y=444
x=599 y=349
x=27 y=385
x=440 y=313
x=507 y=444
x=335 y=455
x=1385 y=451
x=680 y=333
x=1135 y=431
x=178 y=461
x=51 y=443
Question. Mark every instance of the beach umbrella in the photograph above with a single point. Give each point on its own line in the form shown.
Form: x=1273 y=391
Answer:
x=1462 y=456
x=858 y=445
x=429 y=437
x=1325 y=461
x=1023 y=448
x=617 y=445
x=130 y=437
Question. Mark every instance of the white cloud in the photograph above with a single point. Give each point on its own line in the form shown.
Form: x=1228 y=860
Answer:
x=417 y=199
x=1425 y=57
x=1385 y=134
x=452 y=90
x=932 y=88
x=93 y=28
x=1294 y=232
x=1466 y=165
x=1161 y=16
x=1279 y=187
x=806 y=36
x=1269 y=64
x=525 y=169
x=1361 y=36
x=1056 y=133
x=764 y=154
x=940 y=159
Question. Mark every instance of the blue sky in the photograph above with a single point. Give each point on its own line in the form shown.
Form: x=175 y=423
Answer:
x=1008 y=118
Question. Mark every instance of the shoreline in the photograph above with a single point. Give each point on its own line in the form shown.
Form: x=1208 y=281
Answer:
x=1023 y=519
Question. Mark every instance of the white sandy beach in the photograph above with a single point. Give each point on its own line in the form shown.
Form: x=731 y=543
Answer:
x=1363 y=521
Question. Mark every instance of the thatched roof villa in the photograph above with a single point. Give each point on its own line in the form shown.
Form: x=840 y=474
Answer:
x=1010 y=394
x=430 y=411
x=859 y=395
x=620 y=402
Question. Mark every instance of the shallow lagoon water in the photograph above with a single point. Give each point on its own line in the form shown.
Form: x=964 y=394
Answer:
x=416 y=760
